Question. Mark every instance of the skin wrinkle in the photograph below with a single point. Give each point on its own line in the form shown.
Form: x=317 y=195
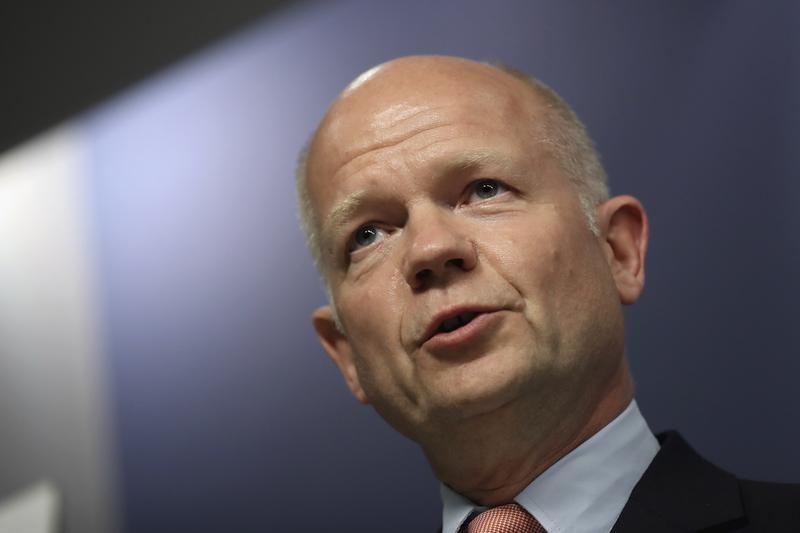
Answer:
x=335 y=218
x=376 y=148
x=396 y=116
x=559 y=127
x=339 y=216
x=551 y=370
x=470 y=163
x=387 y=140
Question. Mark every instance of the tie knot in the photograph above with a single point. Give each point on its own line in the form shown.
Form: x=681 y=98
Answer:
x=509 y=518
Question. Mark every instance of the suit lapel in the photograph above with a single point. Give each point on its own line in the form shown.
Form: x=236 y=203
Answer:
x=681 y=491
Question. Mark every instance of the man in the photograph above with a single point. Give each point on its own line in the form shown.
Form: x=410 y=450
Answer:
x=476 y=270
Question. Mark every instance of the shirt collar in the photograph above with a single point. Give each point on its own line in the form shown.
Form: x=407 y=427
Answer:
x=585 y=490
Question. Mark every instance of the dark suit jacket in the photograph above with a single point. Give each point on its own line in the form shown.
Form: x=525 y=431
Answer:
x=682 y=492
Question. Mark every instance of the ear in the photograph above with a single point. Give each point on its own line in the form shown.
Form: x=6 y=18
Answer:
x=623 y=225
x=336 y=345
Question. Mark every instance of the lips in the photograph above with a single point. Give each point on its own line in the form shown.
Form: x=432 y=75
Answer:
x=454 y=318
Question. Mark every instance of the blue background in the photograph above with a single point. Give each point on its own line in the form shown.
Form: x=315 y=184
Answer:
x=228 y=417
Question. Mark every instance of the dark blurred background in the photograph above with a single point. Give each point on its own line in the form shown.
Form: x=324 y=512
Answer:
x=213 y=407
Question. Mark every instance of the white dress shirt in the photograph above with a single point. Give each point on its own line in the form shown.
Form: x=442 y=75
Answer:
x=585 y=491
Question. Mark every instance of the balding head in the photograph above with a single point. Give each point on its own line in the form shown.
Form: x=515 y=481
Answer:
x=390 y=92
x=447 y=203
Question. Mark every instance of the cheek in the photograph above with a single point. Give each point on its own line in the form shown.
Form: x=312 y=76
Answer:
x=553 y=270
x=530 y=262
x=372 y=319
x=368 y=314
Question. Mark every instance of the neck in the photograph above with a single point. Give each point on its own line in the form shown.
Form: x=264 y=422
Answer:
x=492 y=458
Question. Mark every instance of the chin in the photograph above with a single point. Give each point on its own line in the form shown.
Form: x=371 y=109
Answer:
x=475 y=396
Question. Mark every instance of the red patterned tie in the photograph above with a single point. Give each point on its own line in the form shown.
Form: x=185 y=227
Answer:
x=509 y=518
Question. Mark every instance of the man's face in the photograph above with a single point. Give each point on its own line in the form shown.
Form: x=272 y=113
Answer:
x=464 y=273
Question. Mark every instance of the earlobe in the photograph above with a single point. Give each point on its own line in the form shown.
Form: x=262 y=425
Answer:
x=337 y=346
x=623 y=222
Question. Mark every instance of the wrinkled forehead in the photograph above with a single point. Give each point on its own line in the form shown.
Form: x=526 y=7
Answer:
x=385 y=104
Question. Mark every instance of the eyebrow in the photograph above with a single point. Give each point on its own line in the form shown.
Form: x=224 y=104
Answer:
x=463 y=163
x=340 y=214
x=472 y=161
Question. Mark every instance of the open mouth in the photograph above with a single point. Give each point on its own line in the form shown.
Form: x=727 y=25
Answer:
x=456 y=322
x=457 y=325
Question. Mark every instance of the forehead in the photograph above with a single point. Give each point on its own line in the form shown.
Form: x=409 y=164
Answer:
x=408 y=113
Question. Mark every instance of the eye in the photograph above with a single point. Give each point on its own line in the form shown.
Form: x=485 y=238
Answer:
x=366 y=235
x=485 y=189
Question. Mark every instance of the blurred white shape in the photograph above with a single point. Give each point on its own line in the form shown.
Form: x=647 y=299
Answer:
x=33 y=510
x=53 y=398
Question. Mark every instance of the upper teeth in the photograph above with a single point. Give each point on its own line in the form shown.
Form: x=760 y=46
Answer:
x=456 y=322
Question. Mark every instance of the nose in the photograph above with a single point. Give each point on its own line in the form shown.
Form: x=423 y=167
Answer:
x=438 y=248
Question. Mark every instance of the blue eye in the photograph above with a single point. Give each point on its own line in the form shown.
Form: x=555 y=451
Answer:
x=485 y=189
x=366 y=235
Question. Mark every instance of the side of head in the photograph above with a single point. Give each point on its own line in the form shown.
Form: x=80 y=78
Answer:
x=459 y=216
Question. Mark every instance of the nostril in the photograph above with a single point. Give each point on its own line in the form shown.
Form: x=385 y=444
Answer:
x=424 y=274
x=458 y=263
